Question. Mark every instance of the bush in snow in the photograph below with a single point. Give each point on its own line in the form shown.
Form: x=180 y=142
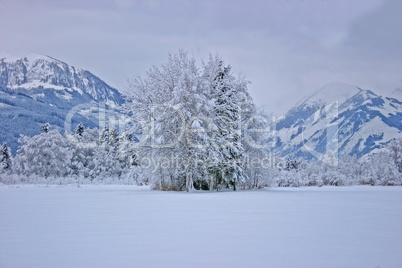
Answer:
x=46 y=154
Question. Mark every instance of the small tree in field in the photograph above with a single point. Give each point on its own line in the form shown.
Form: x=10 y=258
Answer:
x=5 y=158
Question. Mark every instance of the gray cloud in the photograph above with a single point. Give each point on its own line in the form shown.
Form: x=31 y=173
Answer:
x=286 y=48
x=379 y=32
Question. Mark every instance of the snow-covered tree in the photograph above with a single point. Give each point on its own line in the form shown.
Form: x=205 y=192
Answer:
x=104 y=137
x=5 y=158
x=395 y=149
x=46 y=127
x=80 y=129
x=128 y=155
x=191 y=122
x=46 y=154
x=170 y=100
x=83 y=145
x=383 y=168
x=228 y=169
x=113 y=138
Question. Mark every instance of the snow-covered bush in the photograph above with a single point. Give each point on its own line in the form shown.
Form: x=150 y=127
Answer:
x=46 y=154
x=382 y=168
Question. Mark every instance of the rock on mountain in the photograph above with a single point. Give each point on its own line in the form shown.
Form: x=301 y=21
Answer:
x=339 y=120
x=37 y=89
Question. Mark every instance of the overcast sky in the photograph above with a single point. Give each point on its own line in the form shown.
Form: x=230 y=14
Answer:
x=286 y=48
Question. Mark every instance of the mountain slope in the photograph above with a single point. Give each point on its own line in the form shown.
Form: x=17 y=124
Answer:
x=340 y=118
x=37 y=89
x=43 y=72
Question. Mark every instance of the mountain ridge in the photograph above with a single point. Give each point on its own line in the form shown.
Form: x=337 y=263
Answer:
x=38 y=89
x=357 y=123
x=39 y=71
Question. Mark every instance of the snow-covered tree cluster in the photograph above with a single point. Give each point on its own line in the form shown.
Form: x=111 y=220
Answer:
x=381 y=168
x=84 y=157
x=193 y=122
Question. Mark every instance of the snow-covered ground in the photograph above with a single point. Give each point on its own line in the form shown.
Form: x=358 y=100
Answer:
x=123 y=226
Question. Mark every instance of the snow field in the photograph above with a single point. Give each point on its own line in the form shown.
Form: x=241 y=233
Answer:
x=127 y=226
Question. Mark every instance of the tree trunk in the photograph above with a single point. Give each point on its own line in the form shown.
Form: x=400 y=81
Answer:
x=187 y=182
x=211 y=183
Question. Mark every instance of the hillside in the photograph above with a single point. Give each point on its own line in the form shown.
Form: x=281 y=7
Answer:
x=341 y=118
x=39 y=89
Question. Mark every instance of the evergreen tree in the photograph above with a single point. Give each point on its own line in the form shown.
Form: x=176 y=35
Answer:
x=5 y=158
x=80 y=129
x=83 y=149
x=292 y=164
x=127 y=151
x=113 y=138
x=104 y=137
x=106 y=156
x=46 y=127
x=227 y=139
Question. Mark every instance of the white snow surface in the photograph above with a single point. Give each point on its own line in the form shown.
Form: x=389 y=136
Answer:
x=35 y=84
x=125 y=226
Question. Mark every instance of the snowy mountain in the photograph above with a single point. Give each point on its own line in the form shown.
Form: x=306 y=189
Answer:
x=37 y=89
x=338 y=119
x=43 y=72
